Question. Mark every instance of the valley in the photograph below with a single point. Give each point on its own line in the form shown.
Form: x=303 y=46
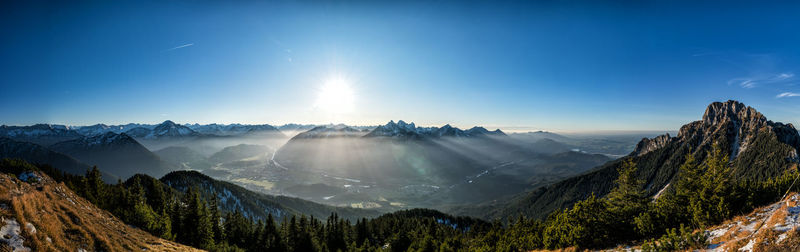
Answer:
x=360 y=172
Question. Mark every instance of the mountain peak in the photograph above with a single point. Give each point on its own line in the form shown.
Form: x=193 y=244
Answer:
x=108 y=138
x=168 y=123
x=721 y=112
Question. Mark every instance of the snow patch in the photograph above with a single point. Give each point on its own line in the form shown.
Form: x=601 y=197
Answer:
x=749 y=246
x=29 y=177
x=717 y=233
x=781 y=237
x=660 y=192
x=11 y=234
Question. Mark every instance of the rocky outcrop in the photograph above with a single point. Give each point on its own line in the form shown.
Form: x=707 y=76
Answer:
x=650 y=144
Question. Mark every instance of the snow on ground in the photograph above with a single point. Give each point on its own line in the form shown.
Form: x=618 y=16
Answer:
x=749 y=246
x=746 y=233
x=660 y=192
x=11 y=234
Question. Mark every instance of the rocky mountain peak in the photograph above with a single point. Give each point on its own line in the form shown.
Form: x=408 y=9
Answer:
x=733 y=111
x=731 y=124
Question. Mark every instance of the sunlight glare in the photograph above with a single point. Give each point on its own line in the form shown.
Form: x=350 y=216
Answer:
x=335 y=96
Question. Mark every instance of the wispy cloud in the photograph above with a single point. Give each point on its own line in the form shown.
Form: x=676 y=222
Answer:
x=179 y=47
x=787 y=94
x=751 y=82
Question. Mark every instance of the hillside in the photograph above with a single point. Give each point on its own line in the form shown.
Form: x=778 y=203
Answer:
x=116 y=154
x=759 y=149
x=184 y=157
x=35 y=153
x=256 y=205
x=39 y=214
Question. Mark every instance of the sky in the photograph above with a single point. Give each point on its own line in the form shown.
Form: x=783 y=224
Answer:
x=567 y=66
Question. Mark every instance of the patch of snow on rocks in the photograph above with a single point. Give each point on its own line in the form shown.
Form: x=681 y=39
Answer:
x=11 y=234
x=30 y=228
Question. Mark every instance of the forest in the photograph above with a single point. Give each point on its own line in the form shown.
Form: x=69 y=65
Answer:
x=703 y=194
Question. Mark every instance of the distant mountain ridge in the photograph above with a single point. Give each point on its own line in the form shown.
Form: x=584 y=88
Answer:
x=233 y=129
x=167 y=129
x=43 y=134
x=402 y=129
x=330 y=132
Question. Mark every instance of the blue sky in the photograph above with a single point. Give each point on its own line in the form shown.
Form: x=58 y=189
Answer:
x=560 y=65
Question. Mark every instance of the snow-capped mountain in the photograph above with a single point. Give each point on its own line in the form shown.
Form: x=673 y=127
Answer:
x=330 y=132
x=108 y=139
x=98 y=129
x=296 y=127
x=167 y=129
x=232 y=129
x=43 y=134
x=402 y=129
x=93 y=130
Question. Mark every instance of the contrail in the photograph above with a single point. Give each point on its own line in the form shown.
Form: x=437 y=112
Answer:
x=179 y=47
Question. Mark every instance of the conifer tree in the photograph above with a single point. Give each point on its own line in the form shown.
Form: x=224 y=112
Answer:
x=626 y=201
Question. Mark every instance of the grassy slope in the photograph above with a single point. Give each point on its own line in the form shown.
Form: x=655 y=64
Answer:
x=64 y=221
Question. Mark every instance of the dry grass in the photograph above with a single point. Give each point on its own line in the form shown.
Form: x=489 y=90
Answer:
x=66 y=222
x=791 y=243
x=763 y=220
x=778 y=217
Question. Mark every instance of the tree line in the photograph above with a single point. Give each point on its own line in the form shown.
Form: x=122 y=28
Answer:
x=702 y=194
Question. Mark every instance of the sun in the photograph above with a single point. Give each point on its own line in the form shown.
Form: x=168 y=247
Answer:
x=336 y=96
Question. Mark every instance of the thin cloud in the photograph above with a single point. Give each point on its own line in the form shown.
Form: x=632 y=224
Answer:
x=784 y=76
x=752 y=82
x=179 y=47
x=787 y=94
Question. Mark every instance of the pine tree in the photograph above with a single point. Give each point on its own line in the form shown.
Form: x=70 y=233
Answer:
x=626 y=201
x=711 y=202
x=205 y=231
x=94 y=186
x=585 y=225
x=219 y=235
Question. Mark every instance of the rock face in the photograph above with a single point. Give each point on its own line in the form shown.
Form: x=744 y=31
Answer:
x=759 y=149
x=650 y=144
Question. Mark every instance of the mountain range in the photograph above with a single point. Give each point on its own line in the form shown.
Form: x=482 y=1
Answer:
x=402 y=129
x=401 y=164
x=257 y=171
